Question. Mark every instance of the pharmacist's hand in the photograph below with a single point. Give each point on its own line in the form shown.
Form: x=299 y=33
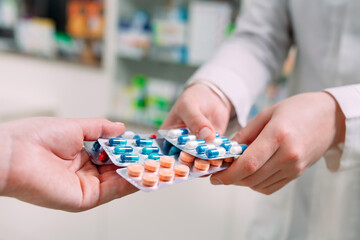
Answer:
x=284 y=140
x=49 y=167
x=201 y=110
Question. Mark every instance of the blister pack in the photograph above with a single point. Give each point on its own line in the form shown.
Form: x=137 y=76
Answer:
x=152 y=175
x=152 y=162
x=220 y=148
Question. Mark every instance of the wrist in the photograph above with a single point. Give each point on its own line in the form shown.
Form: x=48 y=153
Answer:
x=5 y=158
x=216 y=90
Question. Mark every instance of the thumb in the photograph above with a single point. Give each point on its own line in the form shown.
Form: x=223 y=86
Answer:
x=96 y=128
x=199 y=125
x=248 y=134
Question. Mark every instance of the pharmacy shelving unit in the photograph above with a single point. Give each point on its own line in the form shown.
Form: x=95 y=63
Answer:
x=121 y=69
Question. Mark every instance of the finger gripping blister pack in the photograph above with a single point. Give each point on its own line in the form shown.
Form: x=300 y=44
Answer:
x=220 y=148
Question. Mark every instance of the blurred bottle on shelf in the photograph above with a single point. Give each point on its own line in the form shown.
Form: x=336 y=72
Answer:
x=145 y=100
x=36 y=36
x=9 y=14
x=134 y=35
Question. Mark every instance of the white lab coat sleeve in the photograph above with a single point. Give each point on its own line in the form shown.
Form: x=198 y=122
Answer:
x=252 y=56
x=347 y=155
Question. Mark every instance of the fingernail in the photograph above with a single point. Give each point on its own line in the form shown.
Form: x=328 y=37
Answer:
x=119 y=123
x=216 y=181
x=204 y=133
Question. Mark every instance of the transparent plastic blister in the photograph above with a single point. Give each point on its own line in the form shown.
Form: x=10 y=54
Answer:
x=221 y=148
x=126 y=151
x=159 y=184
x=96 y=153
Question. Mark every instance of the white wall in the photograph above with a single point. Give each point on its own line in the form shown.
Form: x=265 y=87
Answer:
x=29 y=85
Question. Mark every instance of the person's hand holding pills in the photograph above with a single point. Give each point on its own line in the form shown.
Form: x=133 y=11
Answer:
x=201 y=110
x=43 y=162
x=284 y=140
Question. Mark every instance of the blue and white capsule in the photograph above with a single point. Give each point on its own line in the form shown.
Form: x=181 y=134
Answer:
x=123 y=149
x=155 y=156
x=185 y=138
x=215 y=152
x=194 y=144
x=117 y=141
x=143 y=142
x=217 y=134
x=129 y=158
x=238 y=149
x=228 y=145
x=175 y=133
x=220 y=140
x=149 y=150
x=201 y=149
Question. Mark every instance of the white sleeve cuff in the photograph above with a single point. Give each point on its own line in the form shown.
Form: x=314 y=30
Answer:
x=347 y=156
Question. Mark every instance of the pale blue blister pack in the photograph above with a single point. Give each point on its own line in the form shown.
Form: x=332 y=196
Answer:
x=220 y=148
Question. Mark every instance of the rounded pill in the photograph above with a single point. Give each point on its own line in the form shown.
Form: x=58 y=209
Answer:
x=181 y=170
x=220 y=140
x=202 y=165
x=135 y=170
x=103 y=157
x=166 y=175
x=216 y=163
x=185 y=157
x=152 y=165
x=96 y=146
x=167 y=162
x=149 y=179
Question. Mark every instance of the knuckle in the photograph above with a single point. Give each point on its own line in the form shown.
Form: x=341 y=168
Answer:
x=250 y=166
x=293 y=155
x=283 y=134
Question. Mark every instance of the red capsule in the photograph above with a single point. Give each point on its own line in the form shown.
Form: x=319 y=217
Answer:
x=103 y=156
x=153 y=136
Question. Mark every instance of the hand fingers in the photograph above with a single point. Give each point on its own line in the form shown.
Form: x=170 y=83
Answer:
x=274 y=187
x=270 y=181
x=96 y=128
x=114 y=187
x=256 y=155
x=172 y=121
x=253 y=129
x=198 y=124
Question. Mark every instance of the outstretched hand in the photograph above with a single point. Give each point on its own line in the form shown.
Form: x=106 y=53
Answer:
x=48 y=166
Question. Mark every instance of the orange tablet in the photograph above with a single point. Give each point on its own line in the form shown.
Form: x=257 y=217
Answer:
x=181 y=170
x=166 y=175
x=149 y=179
x=202 y=165
x=185 y=157
x=167 y=162
x=152 y=165
x=216 y=163
x=229 y=160
x=135 y=170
